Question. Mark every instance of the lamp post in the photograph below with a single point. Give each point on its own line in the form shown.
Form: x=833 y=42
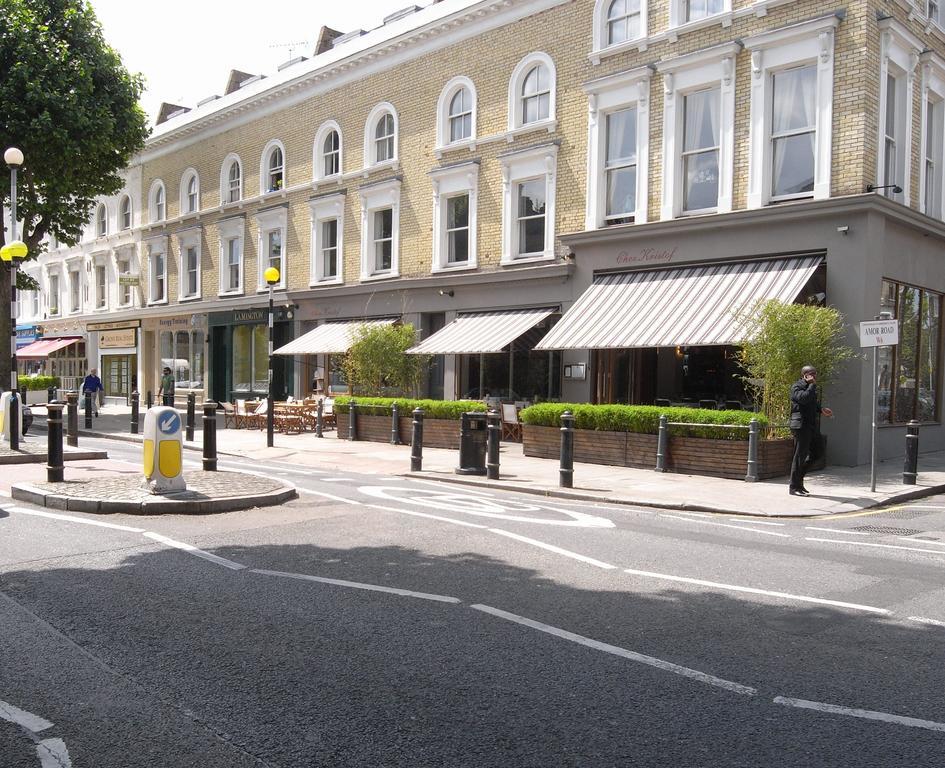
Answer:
x=271 y=276
x=15 y=249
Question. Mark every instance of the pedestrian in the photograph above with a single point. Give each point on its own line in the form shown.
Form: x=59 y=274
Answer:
x=808 y=444
x=166 y=392
x=92 y=383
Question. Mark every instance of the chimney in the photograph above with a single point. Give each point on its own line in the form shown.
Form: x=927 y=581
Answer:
x=235 y=81
x=325 y=37
x=169 y=111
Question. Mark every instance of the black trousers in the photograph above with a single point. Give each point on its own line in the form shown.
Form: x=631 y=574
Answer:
x=807 y=449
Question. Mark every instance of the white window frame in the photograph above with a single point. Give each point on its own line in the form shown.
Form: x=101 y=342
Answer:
x=272 y=220
x=188 y=206
x=516 y=83
x=74 y=285
x=325 y=209
x=54 y=274
x=157 y=248
x=125 y=213
x=225 y=190
x=678 y=10
x=601 y=31
x=370 y=146
x=99 y=290
x=318 y=151
x=375 y=197
x=933 y=10
x=899 y=57
x=186 y=240
x=231 y=230
x=931 y=170
x=155 y=215
x=36 y=296
x=264 y=169
x=447 y=183
x=122 y=256
x=709 y=68
x=101 y=220
x=444 y=120
x=625 y=90
x=517 y=167
x=809 y=42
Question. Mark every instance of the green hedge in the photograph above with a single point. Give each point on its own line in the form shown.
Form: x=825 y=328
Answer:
x=35 y=383
x=643 y=418
x=432 y=409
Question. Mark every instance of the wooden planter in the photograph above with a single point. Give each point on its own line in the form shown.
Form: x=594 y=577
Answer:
x=687 y=455
x=437 y=433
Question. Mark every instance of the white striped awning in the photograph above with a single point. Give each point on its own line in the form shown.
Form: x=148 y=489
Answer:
x=697 y=305
x=328 y=338
x=481 y=332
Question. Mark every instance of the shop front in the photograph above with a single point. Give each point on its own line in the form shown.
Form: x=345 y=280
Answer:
x=26 y=335
x=117 y=344
x=178 y=343
x=63 y=356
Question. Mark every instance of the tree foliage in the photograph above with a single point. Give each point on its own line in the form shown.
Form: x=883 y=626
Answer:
x=377 y=363
x=785 y=338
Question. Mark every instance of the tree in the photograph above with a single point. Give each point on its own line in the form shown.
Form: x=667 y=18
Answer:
x=68 y=102
x=785 y=338
x=377 y=361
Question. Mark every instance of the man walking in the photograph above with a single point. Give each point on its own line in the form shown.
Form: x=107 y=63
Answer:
x=805 y=406
x=93 y=384
x=166 y=392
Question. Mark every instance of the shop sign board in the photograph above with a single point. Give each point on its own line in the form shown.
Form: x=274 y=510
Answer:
x=116 y=339
x=132 y=280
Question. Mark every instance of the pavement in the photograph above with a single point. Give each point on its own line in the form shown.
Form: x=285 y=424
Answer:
x=835 y=490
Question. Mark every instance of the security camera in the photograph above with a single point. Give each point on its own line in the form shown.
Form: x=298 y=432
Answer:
x=844 y=230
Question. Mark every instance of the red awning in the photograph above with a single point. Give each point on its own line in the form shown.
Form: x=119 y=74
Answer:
x=45 y=347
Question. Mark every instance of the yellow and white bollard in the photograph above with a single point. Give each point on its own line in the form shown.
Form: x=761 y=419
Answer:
x=163 y=450
x=5 y=420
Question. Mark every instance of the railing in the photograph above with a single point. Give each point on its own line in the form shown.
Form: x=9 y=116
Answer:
x=662 y=444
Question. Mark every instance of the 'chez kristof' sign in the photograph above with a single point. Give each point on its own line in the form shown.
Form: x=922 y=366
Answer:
x=879 y=333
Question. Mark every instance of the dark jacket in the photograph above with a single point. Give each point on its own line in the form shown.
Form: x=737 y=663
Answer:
x=92 y=384
x=805 y=405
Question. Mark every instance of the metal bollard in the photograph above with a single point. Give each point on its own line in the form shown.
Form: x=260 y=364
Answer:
x=50 y=394
x=88 y=410
x=72 y=426
x=752 y=475
x=494 y=427
x=209 y=437
x=319 y=425
x=394 y=424
x=353 y=421
x=149 y=401
x=191 y=405
x=54 y=444
x=15 y=420
x=566 y=472
x=416 y=441
x=662 y=444
x=135 y=406
x=911 y=465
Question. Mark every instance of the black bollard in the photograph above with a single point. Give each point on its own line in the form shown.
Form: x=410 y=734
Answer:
x=135 y=406
x=150 y=400
x=353 y=421
x=394 y=424
x=191 y=405
x=88 y=410
x=50 y=394
x=54 y=444
x=492 y=444
x=566 y=473
x=209 y=437
x=15 y=420
x=911 y=465
x=416 y=441
x=319 y=414
x=72 y=426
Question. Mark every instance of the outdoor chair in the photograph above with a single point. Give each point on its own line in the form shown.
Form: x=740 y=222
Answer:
x=328 y=414
x=710 y=405
x=257 y=419
x=733 y=405
x=511 y=426
x=230 y=415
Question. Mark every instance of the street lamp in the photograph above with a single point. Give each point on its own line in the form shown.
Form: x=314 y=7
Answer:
x=271 y=276
x=11 y=252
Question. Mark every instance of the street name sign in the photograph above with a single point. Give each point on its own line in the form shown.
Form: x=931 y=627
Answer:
x=879 y=333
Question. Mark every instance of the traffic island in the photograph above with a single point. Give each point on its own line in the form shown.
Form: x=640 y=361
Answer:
x=34 y=452
x=207 y=493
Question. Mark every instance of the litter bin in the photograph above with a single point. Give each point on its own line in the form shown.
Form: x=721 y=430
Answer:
x=472 y=444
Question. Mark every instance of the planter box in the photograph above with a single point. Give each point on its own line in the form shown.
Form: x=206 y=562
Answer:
x=437 y=433
x=687 y=455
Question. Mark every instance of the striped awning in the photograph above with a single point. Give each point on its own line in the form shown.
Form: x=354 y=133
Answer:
x=45 y=347
x=697 y=305
x=328 y=339
x=481 y=332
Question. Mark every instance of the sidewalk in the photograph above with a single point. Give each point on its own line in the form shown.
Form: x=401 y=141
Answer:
x=835 y=490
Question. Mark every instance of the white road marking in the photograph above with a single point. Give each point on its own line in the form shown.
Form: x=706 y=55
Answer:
x=330 y=496
x=837 y=531
x=358 y=585
x=29 y=721
x=444 y=486
x=754 y=591
x=923 y=541
x=231 y=463
x=52 y=753
x=725 y=525
x=335 y=479
x=866 y=714
x=651 y=661
x=194 y=551
x=552 y=548
x=883 y=546
x=72 y=519
x=931 y=622
x=753 y=521
x=424 y=514
x=693 y=514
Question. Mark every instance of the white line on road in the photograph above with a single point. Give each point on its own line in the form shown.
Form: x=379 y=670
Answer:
x=754 y=591
x=883 y=546
x=835 y=531
x=335 y=479
x=71 y=519
x=52 y=753
x=923 y=541
x=931 y=622
x=725 y=525
x=410 y=512
x=194 y=551
x=29 y=721
x=358 y=585
x=552 y=548
x=753 y=521
x=330 y=496
x=866 y=714
x=651 y=661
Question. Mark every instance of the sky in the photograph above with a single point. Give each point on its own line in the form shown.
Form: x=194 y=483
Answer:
x=248 y=35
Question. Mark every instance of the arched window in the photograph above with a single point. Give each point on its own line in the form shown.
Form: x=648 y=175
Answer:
x=158 y=209
x=276 y=169
x=190 y=192
x=532 y=91
x=623 y=21
x=234 y=182
x=327 y=151
x=536 y=95
x=124 y=213
x=384 y=139
x=331 y=149
x=460 y=115
x=272 y=171
x=380 y=135
x=101 y=221
x=456 y=113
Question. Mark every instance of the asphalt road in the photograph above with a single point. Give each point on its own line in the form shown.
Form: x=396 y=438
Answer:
x=384 y=621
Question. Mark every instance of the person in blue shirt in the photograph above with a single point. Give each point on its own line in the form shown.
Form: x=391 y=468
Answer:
x=93 y=384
